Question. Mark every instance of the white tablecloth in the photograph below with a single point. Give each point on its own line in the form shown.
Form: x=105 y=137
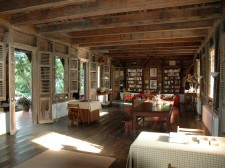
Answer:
x=152 y=150
x=92 y=105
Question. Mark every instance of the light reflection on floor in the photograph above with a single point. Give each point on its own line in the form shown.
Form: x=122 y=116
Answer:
x=56 y=141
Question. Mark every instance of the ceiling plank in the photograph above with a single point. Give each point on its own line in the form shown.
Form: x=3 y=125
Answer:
x=178 y=44
x=100 y=7
x=145 y=28
x=134 y=19
x=14 y=6
x=141 y=36
x=138 y=42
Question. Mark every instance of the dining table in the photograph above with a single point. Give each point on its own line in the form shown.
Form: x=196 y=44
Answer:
x=90 y=109
x=157 y=150
x=151 y=109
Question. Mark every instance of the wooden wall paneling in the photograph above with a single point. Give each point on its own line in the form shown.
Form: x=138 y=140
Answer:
x=2 y=72
x=45 y=45
x=146 y=82
x=23 y=38
x=60 y=48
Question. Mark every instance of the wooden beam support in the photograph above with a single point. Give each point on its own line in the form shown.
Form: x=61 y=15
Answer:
x=154 y=41
x=14 y=6
x=135 y=19
x=145 y=28
x=179 y=57
x=147 y=46
x=141 y=36
x=100 y=7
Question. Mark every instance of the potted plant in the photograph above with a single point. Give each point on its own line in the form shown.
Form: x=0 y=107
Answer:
x=24 y=102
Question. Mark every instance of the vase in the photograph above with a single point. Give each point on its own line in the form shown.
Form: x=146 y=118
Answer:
x=26 y=108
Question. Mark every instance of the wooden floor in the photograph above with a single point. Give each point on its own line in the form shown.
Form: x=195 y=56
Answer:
x=107 y=135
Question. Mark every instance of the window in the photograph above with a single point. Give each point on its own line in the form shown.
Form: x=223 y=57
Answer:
x=59 y=75
x=211 y=69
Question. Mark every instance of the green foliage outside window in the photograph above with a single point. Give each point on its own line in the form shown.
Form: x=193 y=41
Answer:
x=22 y=74
x=59 y=76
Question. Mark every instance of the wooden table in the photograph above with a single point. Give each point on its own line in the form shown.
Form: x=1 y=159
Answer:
x=147 y=109
x=89 y=109
x=154 y=150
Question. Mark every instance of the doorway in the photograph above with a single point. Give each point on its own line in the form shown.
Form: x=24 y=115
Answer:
x=23 y=87
x=83 y=80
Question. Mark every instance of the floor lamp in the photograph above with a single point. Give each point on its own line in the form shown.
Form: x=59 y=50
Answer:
x=214 y=75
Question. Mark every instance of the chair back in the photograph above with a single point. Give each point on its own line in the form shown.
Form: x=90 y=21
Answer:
x=191 y=131
x=73 y=107
x=176 y=101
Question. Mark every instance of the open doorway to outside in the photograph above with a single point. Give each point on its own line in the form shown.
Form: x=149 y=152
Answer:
x=82 y=80
x=23 y=86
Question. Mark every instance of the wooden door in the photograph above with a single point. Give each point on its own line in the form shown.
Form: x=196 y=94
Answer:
x=45 y=87
x=222 y=86
x=12 y=101
x=73 y=75
x=2 y=73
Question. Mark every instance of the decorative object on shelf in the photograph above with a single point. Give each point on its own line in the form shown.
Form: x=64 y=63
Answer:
x=153 y=84
x=134 y=79
x=193 y=82
x=171 y=80
x=24 y=102
x=153 y=72
x=172 y=63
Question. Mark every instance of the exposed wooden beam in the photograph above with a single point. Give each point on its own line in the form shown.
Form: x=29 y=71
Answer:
x=154 y=50
x=154 y=41
x=141 y=36
x=151 y=57
x=14 y=6
x=145 y=28
x=147 y=46
x=182 y=48
x=100 y=7
x=137 y=18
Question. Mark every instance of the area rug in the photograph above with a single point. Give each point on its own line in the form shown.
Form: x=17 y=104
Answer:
x=66 y=159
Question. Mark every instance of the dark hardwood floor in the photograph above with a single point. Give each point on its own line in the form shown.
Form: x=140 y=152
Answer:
x=108 y=133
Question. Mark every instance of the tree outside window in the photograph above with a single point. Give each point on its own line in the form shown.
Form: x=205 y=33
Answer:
x=59 y=76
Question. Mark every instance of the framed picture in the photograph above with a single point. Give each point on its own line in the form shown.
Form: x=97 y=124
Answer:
x=153 y=72
x=153 y=84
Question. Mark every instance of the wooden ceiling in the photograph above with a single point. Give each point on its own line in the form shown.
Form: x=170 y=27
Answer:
x=122 y=29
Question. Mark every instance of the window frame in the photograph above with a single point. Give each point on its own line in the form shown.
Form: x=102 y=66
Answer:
x=211 y=69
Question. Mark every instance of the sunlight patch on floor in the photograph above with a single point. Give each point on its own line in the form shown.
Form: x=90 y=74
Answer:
x=103 y=113
x=56 y=141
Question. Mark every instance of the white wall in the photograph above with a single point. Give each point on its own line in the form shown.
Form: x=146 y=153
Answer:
x=4 y=122
x=59 y=110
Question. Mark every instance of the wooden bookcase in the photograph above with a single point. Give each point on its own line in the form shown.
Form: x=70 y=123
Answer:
x=135 y=79
x=171 y=80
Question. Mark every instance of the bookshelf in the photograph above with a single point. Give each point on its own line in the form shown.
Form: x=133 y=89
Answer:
x=134 y=79
x=171 y=80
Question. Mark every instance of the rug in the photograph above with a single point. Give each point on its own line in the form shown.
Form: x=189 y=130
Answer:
x=66 y=159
